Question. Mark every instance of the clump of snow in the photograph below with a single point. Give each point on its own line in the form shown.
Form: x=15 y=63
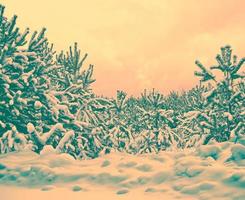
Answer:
x=11 y=102
x=30 y=128
x=209 y=151
x=238 y=154
x=44 y=137
x=48 y=149
x=229 y=116
x=38 y=104
x=64 y=140
x=3 y=125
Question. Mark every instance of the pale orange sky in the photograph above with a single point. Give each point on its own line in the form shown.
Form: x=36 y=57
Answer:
x=137 y=44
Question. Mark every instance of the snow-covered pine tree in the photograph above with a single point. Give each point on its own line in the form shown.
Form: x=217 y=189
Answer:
x=159 y=123
x=190 y=100
x=187 y=107
x=223 y=115
x=12 y=83
x=25 y=101
x=119 y=126
x=86 y=110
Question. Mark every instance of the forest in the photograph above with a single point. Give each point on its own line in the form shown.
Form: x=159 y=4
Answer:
x=46 y=99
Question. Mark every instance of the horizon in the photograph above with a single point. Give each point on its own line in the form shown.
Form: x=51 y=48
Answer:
x=137 y=45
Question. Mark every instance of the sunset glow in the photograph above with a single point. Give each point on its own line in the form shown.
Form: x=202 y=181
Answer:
x=138 y=44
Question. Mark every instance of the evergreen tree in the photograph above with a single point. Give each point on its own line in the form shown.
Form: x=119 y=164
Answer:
x=87 y=112
x=224 y=107
x=26 y=104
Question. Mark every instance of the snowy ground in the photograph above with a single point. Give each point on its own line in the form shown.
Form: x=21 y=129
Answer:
x=214 y=171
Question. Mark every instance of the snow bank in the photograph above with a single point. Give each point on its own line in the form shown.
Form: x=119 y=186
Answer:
x=215 y=171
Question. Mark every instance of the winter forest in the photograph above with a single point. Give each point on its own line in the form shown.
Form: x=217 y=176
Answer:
x=47 y=108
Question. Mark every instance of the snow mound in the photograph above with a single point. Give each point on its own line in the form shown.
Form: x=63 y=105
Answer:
x=238 y=154
x=214 y=171
x=48 y=149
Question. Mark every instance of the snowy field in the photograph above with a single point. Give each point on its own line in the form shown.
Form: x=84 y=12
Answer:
x=215 y=171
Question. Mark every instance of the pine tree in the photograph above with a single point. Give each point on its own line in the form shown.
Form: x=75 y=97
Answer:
x=159 y=122
x=26 y=105
x=225 y=101
x=87 y=112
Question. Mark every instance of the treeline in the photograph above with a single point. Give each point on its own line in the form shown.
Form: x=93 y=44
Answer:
x=46 y=99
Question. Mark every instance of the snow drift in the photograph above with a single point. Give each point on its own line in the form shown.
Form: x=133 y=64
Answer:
x=214 y=171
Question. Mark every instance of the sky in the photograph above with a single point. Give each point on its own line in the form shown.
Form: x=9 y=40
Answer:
x=138 y=44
